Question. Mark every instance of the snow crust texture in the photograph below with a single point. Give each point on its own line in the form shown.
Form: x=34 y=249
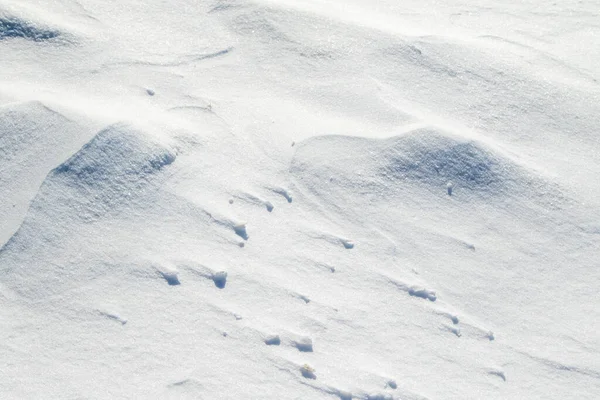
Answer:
x=299 y=200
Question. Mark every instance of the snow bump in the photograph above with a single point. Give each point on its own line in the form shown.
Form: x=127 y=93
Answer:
x=13 y=28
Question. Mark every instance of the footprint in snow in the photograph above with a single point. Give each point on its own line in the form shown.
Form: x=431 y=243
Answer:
x=113 y=316
x=379 y=396
x=452 y=317
x=240 y=230
x=349 y=244
x=253 y=199
x=413 y=290
x=308 y=372
x=220 y=279
x=171 y=276
x=273 y=340
x=283 y=192
x=422 y=293
x=304 y=345
x=333 y=239
x=453 y=329
x=302 y=297
x=499 y=373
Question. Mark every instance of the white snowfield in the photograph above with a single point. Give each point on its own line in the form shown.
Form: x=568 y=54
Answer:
x=299 y=199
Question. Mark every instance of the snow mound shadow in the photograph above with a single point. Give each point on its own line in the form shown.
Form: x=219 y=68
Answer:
x=112 y=170
x=12 y=27
x=438 y=159
x=426 y=158
x=117 y=155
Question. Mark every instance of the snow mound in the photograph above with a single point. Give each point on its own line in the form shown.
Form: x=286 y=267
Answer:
x=114 y=168
x=118 y=155
x=12 y=27
x=206 y=249
x=425 y=158
x=110 y=170
x=437 y=159
x=110 y=176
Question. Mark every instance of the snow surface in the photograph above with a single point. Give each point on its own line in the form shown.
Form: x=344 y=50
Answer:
x=279 y=199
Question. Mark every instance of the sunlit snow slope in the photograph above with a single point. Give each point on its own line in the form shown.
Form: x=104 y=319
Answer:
x=305 y=199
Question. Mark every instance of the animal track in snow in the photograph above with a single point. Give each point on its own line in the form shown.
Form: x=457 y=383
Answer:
x=240 y=230
x=238 y=227
x=186 y=384
x=114 y=317
x=283 y=192
x=333 y=239
x=170 y=275
x=422 y=293
x=452 y=317
x=324 y=266
x=303 y=344
x=379 y=396
x=470 y=246
x=331 y=269
x=273 y=340
x=414 y=290
x=308 y=372
x=453 y=329
x=220 y=279
x=347 y=243
x=468 y=328
x=180 y=383
x=302 y=297
x=269 y=206
x=250 y=198
x=498 y=372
